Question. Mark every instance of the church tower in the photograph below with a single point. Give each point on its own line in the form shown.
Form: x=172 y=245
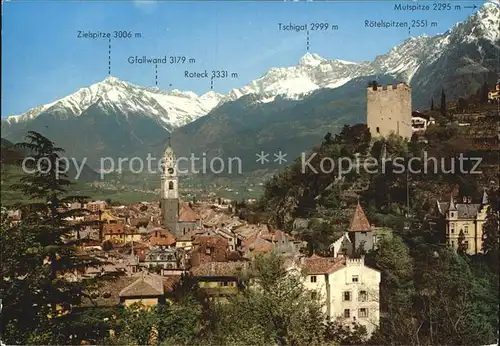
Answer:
x=169 y=191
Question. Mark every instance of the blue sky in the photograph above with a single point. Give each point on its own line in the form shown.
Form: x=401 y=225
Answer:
x=42 y=59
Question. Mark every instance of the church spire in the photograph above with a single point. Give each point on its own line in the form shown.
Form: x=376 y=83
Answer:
x=169 y=150
x=452 y=203
x=484 y=200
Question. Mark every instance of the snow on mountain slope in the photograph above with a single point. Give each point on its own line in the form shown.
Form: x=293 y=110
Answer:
x=311 y=73
x=175 y=108
x=171 y=109
x=485 y=24
x=314 y=72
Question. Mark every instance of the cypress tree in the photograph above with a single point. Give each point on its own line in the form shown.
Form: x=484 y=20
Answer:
x=443 y=103
x=484 y=93
x=462 y=249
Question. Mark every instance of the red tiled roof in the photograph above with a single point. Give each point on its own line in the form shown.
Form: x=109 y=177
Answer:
x=141 y=221
x=186 y=214
x=215 y=241
x=260 y=245
x=148 y=285
x=359 y=222
x=209 y=249
x=137 y=245
x=114 y=228
x=161 y=237
x=229 y=269
x=161 y=241
x=322 y=265
x=169 y=282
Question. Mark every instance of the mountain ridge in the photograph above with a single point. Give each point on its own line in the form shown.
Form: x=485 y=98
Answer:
x=299 y=102
x=176 y=108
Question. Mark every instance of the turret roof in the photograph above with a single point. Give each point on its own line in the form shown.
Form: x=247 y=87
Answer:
x=359 y=221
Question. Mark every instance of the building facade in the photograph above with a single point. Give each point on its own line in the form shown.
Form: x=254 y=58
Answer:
x=389 y=110
x=464 y=219
x=348 y=289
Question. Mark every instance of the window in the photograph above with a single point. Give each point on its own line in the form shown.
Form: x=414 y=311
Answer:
x=314 y=295
x=207 y=251
x=466 y=229
x=313 y=278
x=170 y=185
x=355 y=278
x=346 y=296
x=378 y=129
x=363 y=313
x=452 y=214
x=453 y=243
x=347 y=313
x=363 y=296
x=466 y=244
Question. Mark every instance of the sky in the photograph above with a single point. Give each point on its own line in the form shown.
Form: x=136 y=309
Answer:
x=43 y=60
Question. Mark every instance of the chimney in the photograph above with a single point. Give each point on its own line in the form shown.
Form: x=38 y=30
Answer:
x=469 y=199
x=465 y=199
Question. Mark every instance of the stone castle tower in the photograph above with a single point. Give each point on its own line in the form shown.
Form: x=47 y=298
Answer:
x=389 y=110
x=170 y=190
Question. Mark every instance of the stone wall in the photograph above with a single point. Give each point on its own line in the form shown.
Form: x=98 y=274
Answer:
x=389 y=110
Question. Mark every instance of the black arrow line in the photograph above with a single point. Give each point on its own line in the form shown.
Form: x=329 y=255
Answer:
x=212 y=83
x=471 y=7
x=109 y=57
x=307 y=40
x=156 y=74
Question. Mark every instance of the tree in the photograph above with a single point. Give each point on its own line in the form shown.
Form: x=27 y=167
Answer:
x=443 y=103
x=138 y=324
x=278 y=310
x=450 y=305
x=373 y=84
x=462 y=248
x=180 y=323
x=462 y=104
x=40 y=251
x=392 y=258
x=491 y=230
x=484 y=90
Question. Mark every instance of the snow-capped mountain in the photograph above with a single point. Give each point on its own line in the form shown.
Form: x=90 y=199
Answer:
x=171 y=109
x=314 y=72
x=311 y=73
x=174 y=109
x=115 y=118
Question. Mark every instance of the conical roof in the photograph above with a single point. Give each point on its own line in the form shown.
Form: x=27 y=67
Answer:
x=484 y=200
x=452 y=203
x=359 y=221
